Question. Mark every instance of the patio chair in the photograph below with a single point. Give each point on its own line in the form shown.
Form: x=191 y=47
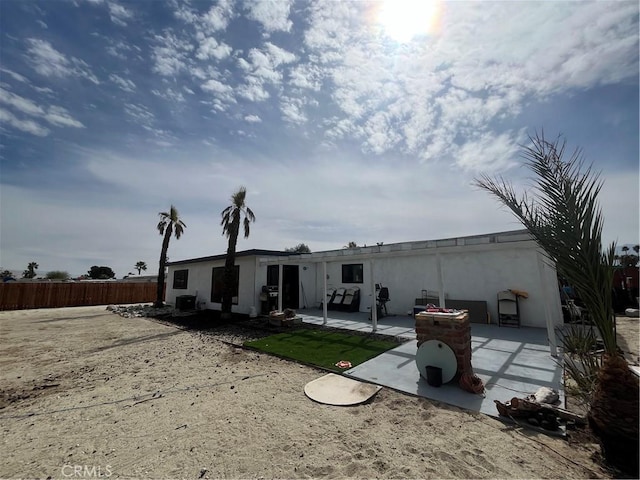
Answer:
x=508 y=309
x=336 y=300
x=351 y=302
x=330 y=293
x=383 y=298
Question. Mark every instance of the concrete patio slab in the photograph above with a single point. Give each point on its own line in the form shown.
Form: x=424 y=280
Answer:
x=510 y=361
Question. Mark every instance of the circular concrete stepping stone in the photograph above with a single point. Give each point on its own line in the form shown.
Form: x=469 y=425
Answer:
x=335 y=389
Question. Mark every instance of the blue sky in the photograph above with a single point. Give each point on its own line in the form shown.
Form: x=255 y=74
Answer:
x=346 y=121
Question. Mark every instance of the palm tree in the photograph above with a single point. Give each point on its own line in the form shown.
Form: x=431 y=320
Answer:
x=563 y=216
x=142 y=266
x=30 y=272
x=231 y=217
x=169 y=223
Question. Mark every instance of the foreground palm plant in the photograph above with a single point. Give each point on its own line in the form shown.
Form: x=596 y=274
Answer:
x=563 y=215
x=169 y=224
x=231 y=219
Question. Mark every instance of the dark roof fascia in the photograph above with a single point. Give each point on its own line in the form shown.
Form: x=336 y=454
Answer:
x=245 y=253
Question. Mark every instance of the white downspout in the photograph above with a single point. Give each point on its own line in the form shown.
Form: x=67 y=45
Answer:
x=440 y=281
x=551 y=333
x=374 y=306
x=324 y=292
x=280 y=293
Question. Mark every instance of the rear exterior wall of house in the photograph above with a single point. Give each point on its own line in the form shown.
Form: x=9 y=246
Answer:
x=468 y=273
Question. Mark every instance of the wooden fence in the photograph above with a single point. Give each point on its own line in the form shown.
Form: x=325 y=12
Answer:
x=20 y=296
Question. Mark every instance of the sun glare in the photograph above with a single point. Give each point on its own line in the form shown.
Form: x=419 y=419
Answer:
x=402 y=20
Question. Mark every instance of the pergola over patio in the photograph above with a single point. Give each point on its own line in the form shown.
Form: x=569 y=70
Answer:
x=484 y=264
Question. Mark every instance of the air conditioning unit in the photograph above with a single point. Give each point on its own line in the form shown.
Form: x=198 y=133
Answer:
x=186 y=302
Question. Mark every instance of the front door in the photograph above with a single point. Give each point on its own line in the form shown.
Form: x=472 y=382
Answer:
x=290 y=287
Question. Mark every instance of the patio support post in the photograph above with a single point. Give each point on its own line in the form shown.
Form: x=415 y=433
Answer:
x=324 y=293
x=551 y=332
x=440 y=281
x=374 y=309
x=280 y=269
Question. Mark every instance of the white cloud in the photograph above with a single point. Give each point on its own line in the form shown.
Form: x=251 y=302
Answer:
x=306 y=76
x=60 y=117
x=210 y=48
x=28 y=126
x=55 y=115
x=19 y=103
x=45 y=90
x=220 y=89
x=119 y=50
x=218 y=16
x=252 y=119
x=291 y=109
x=423 y=97
x=139 y=114
x=119 y=14
x=170 y=95
x=48 y=61
x=14 y=75
x=124 y=83
x=489 y=152
x=253 y=90
x=279 y=56
x=171 y=54
x=273 y=15
x=264 y=63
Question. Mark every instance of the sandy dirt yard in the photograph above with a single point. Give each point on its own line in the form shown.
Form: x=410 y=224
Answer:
x=87 y=393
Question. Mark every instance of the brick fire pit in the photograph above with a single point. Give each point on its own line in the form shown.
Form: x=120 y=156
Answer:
x=452 y=329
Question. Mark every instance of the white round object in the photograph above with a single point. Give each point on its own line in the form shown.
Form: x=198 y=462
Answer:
x=435 y=353
x=333 y=389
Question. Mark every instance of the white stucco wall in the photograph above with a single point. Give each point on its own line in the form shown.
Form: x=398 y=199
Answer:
x=199 y=284
x=253 y=275
x=308 y=285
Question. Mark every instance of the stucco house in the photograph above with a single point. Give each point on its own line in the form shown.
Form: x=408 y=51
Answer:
x=470 y=269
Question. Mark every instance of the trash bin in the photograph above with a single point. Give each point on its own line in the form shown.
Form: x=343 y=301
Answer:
x=186 y=302
x=434 y=376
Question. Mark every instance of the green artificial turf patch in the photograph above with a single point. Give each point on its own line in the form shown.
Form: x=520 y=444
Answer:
x=322 y=348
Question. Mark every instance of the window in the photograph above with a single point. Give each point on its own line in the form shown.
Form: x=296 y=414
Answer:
x=180 y=279
x=352 y=273
x=273 y=274
x=217 y=284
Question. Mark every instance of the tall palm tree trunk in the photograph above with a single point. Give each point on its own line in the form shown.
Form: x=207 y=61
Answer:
x=613 y=415
x=229 y=272
x=163 y=261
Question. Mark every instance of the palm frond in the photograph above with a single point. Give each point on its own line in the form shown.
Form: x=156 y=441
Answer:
x=563 y=216
x=250 y=215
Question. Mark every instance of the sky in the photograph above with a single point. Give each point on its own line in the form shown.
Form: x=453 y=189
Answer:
x=346 y=121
